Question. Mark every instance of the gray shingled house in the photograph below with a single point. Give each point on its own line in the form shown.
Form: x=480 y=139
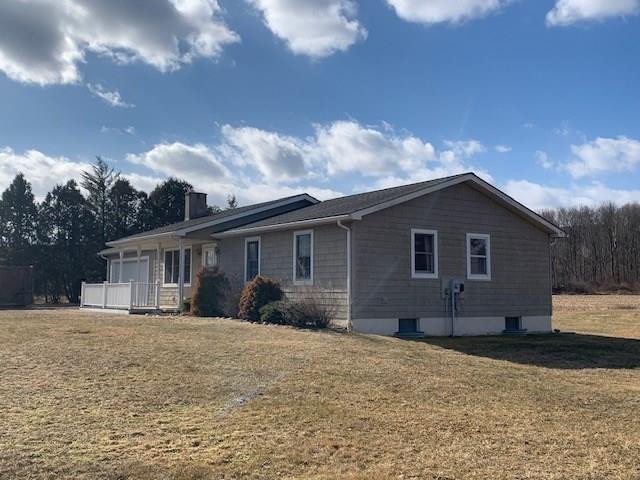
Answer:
x=448 y=256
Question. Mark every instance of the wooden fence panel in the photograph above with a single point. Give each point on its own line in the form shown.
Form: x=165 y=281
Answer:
x=16 y=286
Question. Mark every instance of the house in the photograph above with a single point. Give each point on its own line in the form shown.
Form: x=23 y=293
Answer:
x=448 y=256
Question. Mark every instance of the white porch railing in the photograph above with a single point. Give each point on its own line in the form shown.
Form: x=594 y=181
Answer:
x=120 y=295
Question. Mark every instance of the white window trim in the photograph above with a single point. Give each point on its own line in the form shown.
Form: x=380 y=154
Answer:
x=415 y=274
x=302 y=281
x=484 y=236
x=209 y=246
x=246 y=241
x=125 y=260
x=164 y=258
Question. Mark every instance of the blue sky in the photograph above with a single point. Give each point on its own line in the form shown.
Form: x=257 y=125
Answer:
x=264 y=98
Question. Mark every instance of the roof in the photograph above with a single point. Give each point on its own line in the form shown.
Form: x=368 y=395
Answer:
x=353 y=207
x=203 y=222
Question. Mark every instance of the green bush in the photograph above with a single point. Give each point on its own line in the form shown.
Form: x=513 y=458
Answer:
x=210 y=291
x=273 y=313
x=256 y=294
x=232 y=297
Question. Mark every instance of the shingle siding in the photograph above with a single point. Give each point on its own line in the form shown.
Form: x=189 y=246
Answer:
x=383 y=287
x=276 y=261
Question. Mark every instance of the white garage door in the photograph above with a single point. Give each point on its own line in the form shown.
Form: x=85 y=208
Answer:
x=130 y=270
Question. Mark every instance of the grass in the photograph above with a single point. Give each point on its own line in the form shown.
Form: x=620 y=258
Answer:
x=118 y=397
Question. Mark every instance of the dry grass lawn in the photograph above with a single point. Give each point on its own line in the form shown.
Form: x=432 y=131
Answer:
x=117 y=397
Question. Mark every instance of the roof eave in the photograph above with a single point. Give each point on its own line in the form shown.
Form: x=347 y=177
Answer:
x=282 y=226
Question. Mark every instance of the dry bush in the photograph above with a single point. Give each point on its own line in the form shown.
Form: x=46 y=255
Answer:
x=231 y=303
x=256 y=294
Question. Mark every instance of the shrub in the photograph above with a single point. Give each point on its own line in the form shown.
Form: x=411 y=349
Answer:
x=256 y=294
x=273 y=312
x=308 y=312
x=210 y=290
x=231 y=302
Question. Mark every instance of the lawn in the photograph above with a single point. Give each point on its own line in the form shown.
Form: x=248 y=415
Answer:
x=116 y=397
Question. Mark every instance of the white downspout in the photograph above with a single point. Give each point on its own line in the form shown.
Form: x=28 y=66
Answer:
x=344 y=227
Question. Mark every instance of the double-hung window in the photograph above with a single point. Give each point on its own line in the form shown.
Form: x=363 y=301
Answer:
x=171 y=271
x=251 y=258
x=424 y=253
x=303 y=257
x=478 y=256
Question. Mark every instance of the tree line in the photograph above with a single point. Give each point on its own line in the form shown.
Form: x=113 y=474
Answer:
x=601 y=251
x=61 y=235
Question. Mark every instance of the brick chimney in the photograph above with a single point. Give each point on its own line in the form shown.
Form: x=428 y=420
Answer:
x=195 y=205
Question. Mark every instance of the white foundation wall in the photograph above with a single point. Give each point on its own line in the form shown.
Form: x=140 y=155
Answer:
x=463 y=326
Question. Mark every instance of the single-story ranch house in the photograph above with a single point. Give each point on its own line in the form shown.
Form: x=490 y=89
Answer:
x=452 y=256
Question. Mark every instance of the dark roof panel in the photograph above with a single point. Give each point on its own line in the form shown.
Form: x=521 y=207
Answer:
x=174 y=227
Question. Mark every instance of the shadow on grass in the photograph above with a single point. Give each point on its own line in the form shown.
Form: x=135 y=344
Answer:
x=562 y=351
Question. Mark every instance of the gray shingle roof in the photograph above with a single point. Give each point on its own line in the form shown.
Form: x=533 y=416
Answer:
x=346 y=205
x=174 y=227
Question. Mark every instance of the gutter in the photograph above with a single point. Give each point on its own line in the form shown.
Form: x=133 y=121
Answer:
x=348 y=229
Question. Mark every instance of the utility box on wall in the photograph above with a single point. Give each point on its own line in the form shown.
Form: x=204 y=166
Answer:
x=16 y=286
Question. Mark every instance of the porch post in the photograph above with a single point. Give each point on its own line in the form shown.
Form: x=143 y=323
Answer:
x=138 y=275
x=82 y=295
x=121 y=253
x=157 y=294
x=104 y=294
x=108 y=275
x=180 y=273
x=131 y=303
x=159 y=273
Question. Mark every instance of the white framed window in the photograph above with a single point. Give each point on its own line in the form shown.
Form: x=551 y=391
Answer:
x=209 y=255
x=303 y=257
x=129 y=270
x=251 y=258
x=171 y=272
x=424 y=253
x=478 y=256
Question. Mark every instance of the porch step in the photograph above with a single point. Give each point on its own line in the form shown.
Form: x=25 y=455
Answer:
x=515 y=333
x=409 y=334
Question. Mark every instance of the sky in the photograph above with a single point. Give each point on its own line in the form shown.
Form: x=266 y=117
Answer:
x=268 y=98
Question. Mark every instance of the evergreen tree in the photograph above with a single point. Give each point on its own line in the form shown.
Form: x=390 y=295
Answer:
x=73 y=239
x=126 y=207
x=232 y=201
x=18 y=220
x=98 y=182
x=166 y=203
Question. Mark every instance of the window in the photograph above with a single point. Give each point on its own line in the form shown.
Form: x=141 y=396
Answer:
x=407 y=325
x=512 y=324
x=424 y=253
x=209 y=256
x=251 y=258
x=478 y=256
x=171 y=271
x=303 y=257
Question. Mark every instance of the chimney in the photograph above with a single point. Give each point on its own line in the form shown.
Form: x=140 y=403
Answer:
x=195 y=205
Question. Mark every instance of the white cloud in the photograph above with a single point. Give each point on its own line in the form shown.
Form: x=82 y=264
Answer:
x=130 y=130
x=503 y=148
x=438 y=11
x=542 y=159
x=44 y=41
x=348 y=146
x=42 y=171
x=317 y=28
x=537 y=196
x=567 y=12
x=196 y=164
x=563 y=130
x=277 y=157
x=621 y=154
x=113 y=98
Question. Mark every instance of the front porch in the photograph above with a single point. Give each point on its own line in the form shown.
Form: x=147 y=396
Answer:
x=134 y=297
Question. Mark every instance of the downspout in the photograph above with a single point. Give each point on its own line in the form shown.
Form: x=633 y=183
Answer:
x=344 y=227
